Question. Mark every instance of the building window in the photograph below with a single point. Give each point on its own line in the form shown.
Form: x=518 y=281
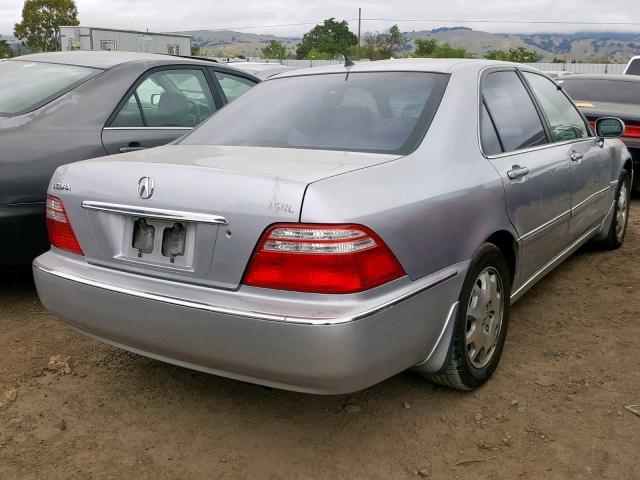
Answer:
x=108 y=45
x=173 y=49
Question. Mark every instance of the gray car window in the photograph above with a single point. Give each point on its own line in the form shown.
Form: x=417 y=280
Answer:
x=565 y=121
x=386 y=112
x=489 y=137
x=27 y=85
x=233 y=86
x=602 y=90
x=512 y=110
x=168 y=98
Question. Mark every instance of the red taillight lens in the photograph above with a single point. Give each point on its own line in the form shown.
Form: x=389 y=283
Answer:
x=321 y=259
x=632 y=131
x=60 y=232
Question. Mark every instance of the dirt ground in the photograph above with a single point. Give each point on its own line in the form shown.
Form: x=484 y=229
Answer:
x=554 y=410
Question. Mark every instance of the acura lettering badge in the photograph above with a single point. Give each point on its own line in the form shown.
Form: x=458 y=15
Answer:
x=145 y=187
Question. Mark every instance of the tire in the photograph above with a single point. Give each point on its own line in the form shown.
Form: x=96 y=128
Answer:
x=465 y=368
x=618 y=229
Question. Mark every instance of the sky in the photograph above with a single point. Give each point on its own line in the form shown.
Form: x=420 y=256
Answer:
x=260 y=15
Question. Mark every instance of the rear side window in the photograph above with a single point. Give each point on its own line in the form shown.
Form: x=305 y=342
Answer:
x=381 y=112
x=233 y=86
x=565 y=121
x=25 y=86
x=513 y=112
x=634 y=67
x=168 y=98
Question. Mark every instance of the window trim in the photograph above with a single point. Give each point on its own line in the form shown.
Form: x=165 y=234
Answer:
x=106 y=41
x=143 y=76
x=485 y=71
x=544 y=114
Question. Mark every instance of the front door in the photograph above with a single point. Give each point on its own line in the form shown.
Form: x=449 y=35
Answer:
x=591 y=191
x=536 y=174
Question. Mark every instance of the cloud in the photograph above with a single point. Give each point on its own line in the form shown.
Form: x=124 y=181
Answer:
x=172 y=15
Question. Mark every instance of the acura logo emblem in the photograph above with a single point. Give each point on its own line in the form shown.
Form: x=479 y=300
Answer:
x=145 y=187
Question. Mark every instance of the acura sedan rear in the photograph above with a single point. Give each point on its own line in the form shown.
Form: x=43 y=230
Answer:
x=335 y=226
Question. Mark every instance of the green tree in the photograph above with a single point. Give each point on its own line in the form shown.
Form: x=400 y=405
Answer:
x=5 y=49
x=275 y=49
x=332 y=37
x=383 y=45
x=195 y=51
x=41 y=20
x=519 y=54
x=431 y=48
x=425 y=47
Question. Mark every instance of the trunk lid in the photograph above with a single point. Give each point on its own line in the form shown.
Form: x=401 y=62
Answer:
x=249 y=188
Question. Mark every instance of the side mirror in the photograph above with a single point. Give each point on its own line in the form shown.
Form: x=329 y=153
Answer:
x=609 y=127
x=155 y=99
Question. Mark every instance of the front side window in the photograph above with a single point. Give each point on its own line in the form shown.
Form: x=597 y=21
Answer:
x=233 y=86
x=514 y=115
x=26 y=85
x=565 y=121
x=168 y=98
x=381 y=112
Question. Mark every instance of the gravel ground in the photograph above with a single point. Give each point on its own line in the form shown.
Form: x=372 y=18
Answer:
x=73 y=408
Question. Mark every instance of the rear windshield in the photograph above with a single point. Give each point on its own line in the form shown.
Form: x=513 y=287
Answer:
x=607 y=91
x=384 y=112
x=27 y=85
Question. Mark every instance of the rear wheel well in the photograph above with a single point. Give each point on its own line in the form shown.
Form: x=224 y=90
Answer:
x=507 y=246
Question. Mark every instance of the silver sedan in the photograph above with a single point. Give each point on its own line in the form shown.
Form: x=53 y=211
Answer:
x=335 y=226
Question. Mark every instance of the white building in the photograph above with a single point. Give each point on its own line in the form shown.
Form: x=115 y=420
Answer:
x=91 y=38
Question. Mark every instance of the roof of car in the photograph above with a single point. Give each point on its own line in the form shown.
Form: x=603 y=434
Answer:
x=438 y=65
x=604 y=76
x=104 y=60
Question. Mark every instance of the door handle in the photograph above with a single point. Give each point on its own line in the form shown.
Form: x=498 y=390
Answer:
x=576 y=156
x=517 y=172
x=131 y=149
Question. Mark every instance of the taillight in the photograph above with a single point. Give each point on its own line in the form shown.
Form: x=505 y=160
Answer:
x=60 y=232
x=632 y=131
x=321 y=259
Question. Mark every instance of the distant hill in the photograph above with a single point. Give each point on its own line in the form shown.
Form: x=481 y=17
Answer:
x=592 y=47
x=584 y=47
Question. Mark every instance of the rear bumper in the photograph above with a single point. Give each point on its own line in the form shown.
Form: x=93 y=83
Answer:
x=23 y=233
x=342 y=352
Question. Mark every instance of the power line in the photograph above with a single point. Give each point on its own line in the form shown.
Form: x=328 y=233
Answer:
x=444 y=20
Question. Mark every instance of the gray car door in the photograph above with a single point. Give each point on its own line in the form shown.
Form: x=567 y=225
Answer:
x=164 y=104
x=536 y=175
x=590 y=162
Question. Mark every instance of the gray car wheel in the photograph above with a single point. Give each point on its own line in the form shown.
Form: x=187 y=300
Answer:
x=481 y=322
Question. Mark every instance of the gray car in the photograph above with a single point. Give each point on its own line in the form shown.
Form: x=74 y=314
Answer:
x=367 y=220
x=62 y=107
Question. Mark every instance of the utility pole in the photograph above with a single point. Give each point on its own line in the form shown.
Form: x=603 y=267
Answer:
x=359 y=25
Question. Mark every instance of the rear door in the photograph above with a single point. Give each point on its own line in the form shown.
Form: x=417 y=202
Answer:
x=164 y=104
x=536 y=175
x=590 y=163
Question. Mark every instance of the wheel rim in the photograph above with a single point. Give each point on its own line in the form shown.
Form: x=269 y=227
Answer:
x=622 y=212
x=484 y=318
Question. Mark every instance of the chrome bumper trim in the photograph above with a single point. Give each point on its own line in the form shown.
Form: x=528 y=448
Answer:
x=246 y=313
x=159 y=213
